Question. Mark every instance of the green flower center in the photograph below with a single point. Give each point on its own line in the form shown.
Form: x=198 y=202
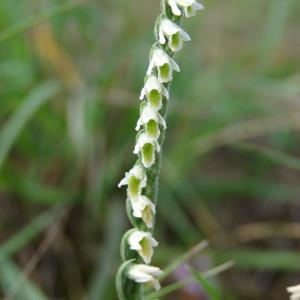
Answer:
x=152 y=128
x=154 y=98
x=146 y=247
x=133 y=186
x=189 y=10
x=148 y=152
x=147 y=215
x=176 y=40
x=164 y=71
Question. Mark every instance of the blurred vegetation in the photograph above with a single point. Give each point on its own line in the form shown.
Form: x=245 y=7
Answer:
x=70 y=76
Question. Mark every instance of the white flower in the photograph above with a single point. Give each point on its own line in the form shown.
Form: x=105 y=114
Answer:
x=164 y=65
x=145 y=274
x=171 y=32
x=295 y=292
x=151 y=119
x=154 y=91
x=144 y=208
x=189 y=7
x=142 y=242
x=146 y=146
x=136 y=179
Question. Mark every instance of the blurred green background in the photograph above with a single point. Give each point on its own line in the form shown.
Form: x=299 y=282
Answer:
x=70 y=77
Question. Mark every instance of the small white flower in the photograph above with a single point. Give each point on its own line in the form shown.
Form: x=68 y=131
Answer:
x=136 y=180
x=171 y=32
x=146 y=146
x=145 y=274
x=154 y=91
x=144 y=208
x=164 y=65
x=151 y=118
x=295 y=292
x=142 y=242
x=189 y=7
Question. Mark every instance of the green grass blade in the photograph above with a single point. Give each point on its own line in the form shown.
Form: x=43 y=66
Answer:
x=27 y=234
x=37 y=19
x=10 y=275
x=183 y=283
x=211 y=291
x=184 y=258
x=30 y=105
x=107 y=262
x=254 y=259
x=273 y=155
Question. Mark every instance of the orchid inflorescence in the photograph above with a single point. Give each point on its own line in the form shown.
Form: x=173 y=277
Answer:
x=141 y=181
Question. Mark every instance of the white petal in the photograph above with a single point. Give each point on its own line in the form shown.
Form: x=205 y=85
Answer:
x=165 y=92
x=124 y=181
x=160 y=57
x=185 y=3
x=155 y=283
x=138 y=125
x=151 y=66
x=162 y=121
x=168 y=27
x=137 y=212
x=135 y=238
x=149 y=113
x=153 y=84
x=295 y=296
x=175 y=10
x=156 y=146
x=161 y=36
x=155 y=271
x=143 y=93
x=184 y=35
x=144 y=181
x=191 y=10
x=294 y=289
x=136 y=148
x=144 y=273
x=139 y=205
x=138 y=275
x=174 y=65
x=197 y=6
x=137 y=171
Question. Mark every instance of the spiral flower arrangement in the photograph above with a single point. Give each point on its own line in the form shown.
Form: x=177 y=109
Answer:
x=142 y=180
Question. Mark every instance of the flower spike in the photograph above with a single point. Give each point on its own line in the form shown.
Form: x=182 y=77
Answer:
x=138 y=243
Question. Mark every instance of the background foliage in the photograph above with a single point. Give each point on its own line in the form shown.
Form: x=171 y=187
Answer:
x=70 y=76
